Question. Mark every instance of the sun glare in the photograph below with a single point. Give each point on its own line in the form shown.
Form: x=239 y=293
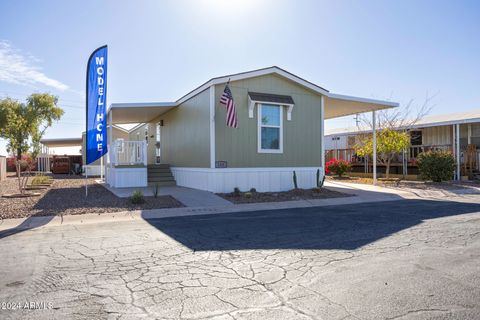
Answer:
x=229 y=8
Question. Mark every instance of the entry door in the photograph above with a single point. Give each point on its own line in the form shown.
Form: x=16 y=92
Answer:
x=158 y=145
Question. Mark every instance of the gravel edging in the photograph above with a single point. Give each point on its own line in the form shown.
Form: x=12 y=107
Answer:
x=291 y=195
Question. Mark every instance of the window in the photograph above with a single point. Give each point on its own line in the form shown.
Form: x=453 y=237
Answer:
x=270 y=126
x=416 y=138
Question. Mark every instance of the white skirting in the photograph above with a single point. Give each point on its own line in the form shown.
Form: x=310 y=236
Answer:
x=93 y=170
x=127 y=177
x=263 y=179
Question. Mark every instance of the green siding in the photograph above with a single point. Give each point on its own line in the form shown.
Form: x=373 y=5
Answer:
x=301 y=135
x=185 y=135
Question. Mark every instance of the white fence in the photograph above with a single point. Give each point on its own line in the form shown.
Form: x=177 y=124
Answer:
x=129 y=152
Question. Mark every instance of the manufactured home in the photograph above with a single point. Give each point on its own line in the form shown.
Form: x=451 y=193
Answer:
x=458 y=133
x=187 y=142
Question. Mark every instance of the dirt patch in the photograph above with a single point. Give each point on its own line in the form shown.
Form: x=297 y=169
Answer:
x=67 y=196
x=296 y=194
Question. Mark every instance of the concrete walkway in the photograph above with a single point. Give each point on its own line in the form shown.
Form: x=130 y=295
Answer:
x=187 y=196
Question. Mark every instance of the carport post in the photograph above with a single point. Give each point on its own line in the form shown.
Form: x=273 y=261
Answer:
x=374 y=163
x=322 y=134
x=457 y=152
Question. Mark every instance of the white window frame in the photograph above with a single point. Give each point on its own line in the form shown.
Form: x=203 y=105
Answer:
x=259 y=130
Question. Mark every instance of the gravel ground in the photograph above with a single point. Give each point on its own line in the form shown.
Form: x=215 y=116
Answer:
x=298 y=194
x=67 y=196
x=403 y=184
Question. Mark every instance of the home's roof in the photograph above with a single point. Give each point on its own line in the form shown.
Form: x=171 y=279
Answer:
x=267 y=97
x=336 y=105
x=427 y=121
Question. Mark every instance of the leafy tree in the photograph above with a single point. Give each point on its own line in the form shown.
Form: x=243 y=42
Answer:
x=389 y=143
x=24 y=124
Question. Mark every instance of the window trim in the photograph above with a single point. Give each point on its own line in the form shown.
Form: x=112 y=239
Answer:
x=259 y=129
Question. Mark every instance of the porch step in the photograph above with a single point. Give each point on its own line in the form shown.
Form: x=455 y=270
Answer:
x=160 y=174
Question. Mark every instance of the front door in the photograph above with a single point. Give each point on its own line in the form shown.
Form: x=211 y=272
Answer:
x=157 y=143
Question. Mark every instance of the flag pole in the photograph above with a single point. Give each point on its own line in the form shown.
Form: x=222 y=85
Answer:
x=86 y=181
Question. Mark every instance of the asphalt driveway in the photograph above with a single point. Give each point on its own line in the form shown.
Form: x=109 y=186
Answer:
x=409 y=259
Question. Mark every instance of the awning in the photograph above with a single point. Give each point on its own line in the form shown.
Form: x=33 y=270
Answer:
x=124 y=113
x=61 y=142
x=337 y=105
x=270 y=98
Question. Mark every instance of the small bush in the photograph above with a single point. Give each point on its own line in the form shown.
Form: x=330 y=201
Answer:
x=137 y=197
x=436 y=165
x=40 y=179
x=338 y=167
x=248 y=195
x=236 y=191
x=253 y=190
x=317 y=190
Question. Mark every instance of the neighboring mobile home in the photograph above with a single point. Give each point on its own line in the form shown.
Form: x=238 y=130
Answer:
x=281 y=122
x=458 y=133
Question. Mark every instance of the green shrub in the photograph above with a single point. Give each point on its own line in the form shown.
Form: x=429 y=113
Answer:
x=248 y=195
x=137 y=197
x=338 y=167
x=253 y=190
x=40 y=179
x=295 y=183
x=317 y=190
x=236 y=191
x=436 y=165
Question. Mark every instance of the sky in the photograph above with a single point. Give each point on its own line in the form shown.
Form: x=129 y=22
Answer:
x=160 y=50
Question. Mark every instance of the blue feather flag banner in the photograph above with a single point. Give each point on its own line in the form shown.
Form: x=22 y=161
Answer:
x=96 y=131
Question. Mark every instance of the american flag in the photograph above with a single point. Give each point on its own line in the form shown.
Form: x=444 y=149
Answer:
x=227 y=100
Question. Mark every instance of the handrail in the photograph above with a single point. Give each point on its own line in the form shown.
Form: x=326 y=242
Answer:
x=129 y=152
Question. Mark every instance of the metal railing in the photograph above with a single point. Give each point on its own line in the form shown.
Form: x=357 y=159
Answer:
x=129 y=153
x=412 y=153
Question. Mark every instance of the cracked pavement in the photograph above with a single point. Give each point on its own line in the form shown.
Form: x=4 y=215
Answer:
x=408 y=259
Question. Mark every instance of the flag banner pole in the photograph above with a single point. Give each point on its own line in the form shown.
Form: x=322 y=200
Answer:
x=96 y=110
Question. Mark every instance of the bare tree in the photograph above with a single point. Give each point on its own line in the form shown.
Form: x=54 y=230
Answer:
x=392 y=125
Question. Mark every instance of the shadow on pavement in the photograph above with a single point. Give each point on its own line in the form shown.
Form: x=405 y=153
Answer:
x=29 y=223
x=344 y=227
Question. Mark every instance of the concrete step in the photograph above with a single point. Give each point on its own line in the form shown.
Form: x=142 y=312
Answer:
x=162 y=183
x=159 y=171
x=158 y=166
x=160 y=174
x=150 y=178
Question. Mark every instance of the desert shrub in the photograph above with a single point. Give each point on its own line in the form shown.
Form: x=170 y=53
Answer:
x=253 y=190
x=236 y=191
x=248 y=195
x=137 y=197
x=338 y=167
x=436 y=165
x=40 y=179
